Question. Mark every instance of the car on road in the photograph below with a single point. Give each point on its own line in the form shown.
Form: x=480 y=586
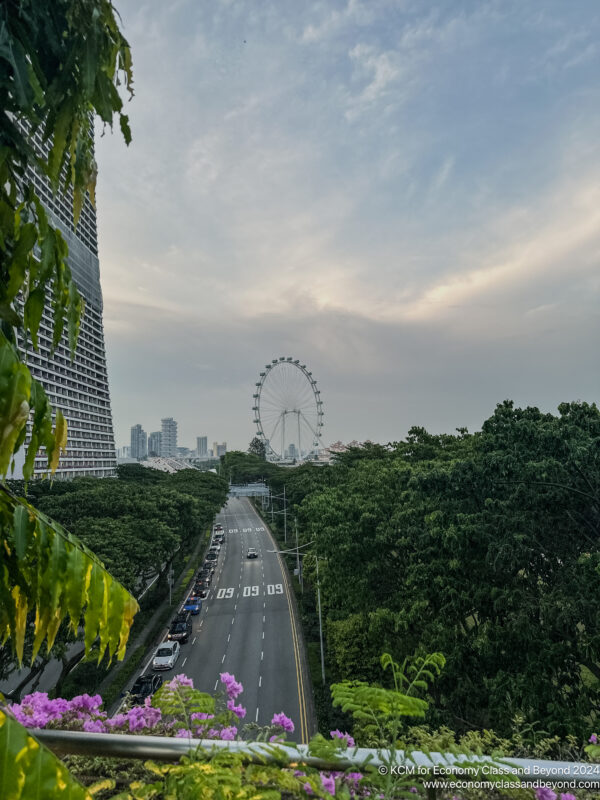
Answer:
x=166 y=655
x=252 y=553
x=193 y=604
x=210 y=556
x=215 y=547
x=144 y=687
x=218 y=527
x=180 y=631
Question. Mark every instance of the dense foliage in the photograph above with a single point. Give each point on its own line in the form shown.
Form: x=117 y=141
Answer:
x=483 y=546
x=136 y=522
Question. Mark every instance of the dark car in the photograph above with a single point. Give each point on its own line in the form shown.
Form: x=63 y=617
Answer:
x=144 y=687
x=180 y=632
x=211 y=556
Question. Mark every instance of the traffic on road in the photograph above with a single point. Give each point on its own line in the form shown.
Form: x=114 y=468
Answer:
x=238 y=617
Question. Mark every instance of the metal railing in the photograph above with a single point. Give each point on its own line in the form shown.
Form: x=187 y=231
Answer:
x=164 y=748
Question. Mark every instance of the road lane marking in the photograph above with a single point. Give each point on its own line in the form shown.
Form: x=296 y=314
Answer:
x=263 y=635
x=262 y=655
x=297 y=657
x=232 y=620
x=223 y=659
x=183 y=662
x=259 y=681
x=256 y=718
x=194 y=640
x=216 y=684
x=228 y=637
x=263 y=617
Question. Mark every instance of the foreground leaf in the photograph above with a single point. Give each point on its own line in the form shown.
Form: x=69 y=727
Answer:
x=28 y=771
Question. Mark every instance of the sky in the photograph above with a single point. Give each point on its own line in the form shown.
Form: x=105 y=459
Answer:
x=402 y=194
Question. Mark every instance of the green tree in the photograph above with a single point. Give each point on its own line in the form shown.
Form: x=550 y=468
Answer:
x=60 y=64
x=257 y=447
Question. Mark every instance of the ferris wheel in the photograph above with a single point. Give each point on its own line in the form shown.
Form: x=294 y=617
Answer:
x=288 y=410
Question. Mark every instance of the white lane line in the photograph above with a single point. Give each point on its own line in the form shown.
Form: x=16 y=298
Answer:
x=263 y=617
x=263 y=634
x=183 y=662
x=194 y=640
x=229 y=637
x=264 y=605
x=216 y=684
x=256 y=719
x=223 y=659
x=232 y=620
x=147 y=665
x=259 y=681
x=262 y=655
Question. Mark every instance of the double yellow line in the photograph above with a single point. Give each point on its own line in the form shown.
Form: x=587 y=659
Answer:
x=297 y=656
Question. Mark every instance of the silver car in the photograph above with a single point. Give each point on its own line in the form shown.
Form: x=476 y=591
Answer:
x=166 y=655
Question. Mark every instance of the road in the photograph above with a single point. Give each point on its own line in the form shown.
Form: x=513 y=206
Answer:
x=248 y=627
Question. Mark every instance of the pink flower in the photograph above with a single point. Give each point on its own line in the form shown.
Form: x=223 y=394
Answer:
x=593 y=739
x=239 y=711
x=200 y=716
x=328 y=783
x=232 y=686
x=544 y=793
x=183 y=733
x=229 y=734
x=568 y=796
x=180 y=680
x=344 y=736
x=308 y=788
x=94 y=726
x=285 y=722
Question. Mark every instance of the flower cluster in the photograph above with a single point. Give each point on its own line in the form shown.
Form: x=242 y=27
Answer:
x=343 y=736
x=283 y=722
x=546 y=793
x=331 y=781
x=232 y=687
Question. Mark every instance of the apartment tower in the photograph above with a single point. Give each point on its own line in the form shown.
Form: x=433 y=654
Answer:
x=78 y=387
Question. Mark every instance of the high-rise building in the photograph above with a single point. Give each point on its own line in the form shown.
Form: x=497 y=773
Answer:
x=139 y=442
x=201 y=446
x=78 y=387
x=168 y=442
x=219 y=449
x=154 y=443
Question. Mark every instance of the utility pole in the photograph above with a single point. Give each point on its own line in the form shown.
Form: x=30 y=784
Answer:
x=320 y=623
x=284 y=517
x=170 y=579
x=298 y=563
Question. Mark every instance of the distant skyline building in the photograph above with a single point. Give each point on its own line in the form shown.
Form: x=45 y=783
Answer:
x=154 y=444
x=168 y=444
x=139 y=442
x=202 y=446
x=78 y=387
x=219 y=449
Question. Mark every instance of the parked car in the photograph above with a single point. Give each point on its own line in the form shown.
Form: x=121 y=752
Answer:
x=252 y=553
x=144 y=687
x=218 y=527
x=210 y=556
x=180 y=631
x=193 y=604
x=166 y=655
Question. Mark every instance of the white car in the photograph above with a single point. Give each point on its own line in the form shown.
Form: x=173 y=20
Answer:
x=166 y=655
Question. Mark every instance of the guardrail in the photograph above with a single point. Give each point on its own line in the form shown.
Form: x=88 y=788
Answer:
x=164 y=748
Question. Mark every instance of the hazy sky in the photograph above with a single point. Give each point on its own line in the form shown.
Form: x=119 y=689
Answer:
x=403 y=194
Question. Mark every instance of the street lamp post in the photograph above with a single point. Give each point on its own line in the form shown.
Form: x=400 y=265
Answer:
x=320 y=622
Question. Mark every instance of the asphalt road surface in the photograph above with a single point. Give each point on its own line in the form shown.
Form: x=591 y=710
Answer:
x=247 y=626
